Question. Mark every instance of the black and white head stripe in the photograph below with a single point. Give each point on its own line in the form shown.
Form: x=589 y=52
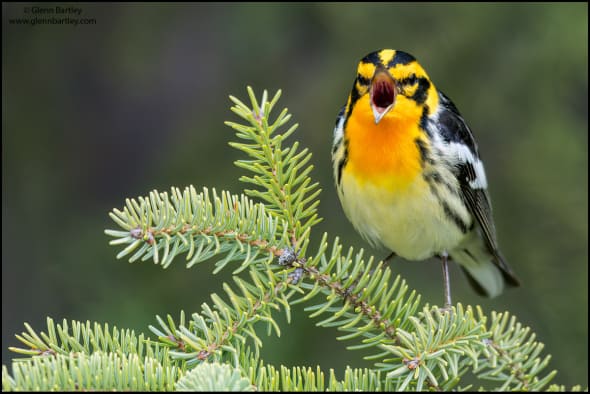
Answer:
x=400 y=57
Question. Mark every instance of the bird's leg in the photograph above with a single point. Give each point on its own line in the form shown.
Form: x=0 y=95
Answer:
x=389 y=257
x=386 y=260
x=447 y=283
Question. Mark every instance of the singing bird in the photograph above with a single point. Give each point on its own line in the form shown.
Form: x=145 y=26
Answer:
x=409 y=176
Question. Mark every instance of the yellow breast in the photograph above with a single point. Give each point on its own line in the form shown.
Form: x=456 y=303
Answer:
x=413 y=223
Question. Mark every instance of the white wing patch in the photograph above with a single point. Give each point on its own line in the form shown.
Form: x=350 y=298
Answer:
x=456 y=152
x=461 y=153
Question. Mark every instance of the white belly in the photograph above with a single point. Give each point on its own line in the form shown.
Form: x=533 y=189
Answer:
x=411 y=223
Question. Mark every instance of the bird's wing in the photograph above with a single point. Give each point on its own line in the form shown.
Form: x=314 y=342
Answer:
x=470 y=173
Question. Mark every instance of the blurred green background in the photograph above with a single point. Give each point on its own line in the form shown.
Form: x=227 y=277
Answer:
x=94 y=114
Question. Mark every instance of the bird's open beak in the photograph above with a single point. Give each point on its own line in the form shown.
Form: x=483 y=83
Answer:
x=382 y=94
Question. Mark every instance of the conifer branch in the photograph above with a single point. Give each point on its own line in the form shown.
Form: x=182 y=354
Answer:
x=95 y=372
x=198 y=225
x=226 y=326
x=511 y=355
x=279 y=172
x=213 y=377
x=85 y=356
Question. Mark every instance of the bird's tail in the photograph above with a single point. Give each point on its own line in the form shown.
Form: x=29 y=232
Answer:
x=488 y=273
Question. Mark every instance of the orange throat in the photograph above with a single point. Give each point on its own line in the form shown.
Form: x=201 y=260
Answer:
x=385 y=154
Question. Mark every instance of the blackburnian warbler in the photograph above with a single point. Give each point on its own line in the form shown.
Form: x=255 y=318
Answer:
x=409 y=175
